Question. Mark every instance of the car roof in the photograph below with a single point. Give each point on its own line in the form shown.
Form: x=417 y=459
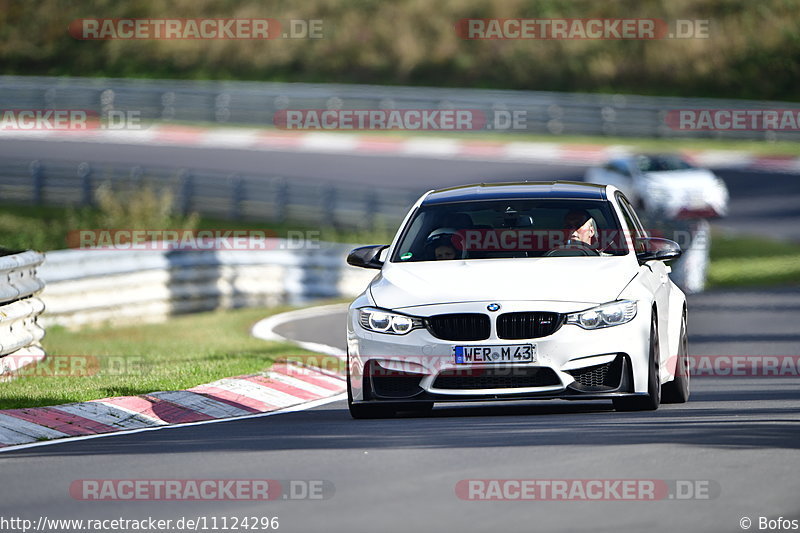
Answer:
x=518 y=190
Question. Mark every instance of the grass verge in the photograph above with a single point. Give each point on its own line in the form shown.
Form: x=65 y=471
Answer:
x=119 y=361
x=46 y=228
x=752 y=261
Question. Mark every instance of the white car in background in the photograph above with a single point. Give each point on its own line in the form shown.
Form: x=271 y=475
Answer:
x=665 y=185
x=517 y=291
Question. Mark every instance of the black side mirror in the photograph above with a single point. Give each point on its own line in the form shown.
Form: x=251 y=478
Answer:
x=367 y=256
x=650 y=248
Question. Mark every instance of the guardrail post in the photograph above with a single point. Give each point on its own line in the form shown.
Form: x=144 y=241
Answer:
x=85 y=175
x=281 y=199
x=608 y=116
x=370 y=208
x=186 y=182
x=136 y=176
x=168 y=105
x=237 y=196
x=222 y=112
x=37 y=180
x=329 y=206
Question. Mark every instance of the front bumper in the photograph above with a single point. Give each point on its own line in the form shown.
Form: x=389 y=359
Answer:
x=686 y=204
x=571 y=363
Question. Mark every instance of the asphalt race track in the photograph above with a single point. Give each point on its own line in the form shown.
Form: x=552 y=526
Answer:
x=738 y=436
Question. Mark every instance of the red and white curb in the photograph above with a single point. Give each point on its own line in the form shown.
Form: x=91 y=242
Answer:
x=365 y=144
x=285 y=387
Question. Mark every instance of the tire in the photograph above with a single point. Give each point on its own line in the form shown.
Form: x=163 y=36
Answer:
x=653 y=398
x=677 y=390
x=365 y=411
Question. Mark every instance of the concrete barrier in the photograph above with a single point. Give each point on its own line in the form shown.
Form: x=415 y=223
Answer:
x=20 y=307
x=122 y=286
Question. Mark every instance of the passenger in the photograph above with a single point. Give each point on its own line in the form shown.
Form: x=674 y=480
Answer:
x=439 y=244
x=445 y=252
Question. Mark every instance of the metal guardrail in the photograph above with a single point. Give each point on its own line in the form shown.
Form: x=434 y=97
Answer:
x=255 y=103
x=122 y=286
x=20 y=308
x=212 y=194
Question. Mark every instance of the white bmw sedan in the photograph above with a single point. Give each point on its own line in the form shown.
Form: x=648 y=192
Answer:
x=517 y=291
x=665 y=185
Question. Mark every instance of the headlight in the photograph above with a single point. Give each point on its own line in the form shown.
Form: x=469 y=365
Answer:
x=383 y=321
x=604 y=316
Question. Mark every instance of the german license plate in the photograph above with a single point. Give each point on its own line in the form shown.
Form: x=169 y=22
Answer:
x=510 y=353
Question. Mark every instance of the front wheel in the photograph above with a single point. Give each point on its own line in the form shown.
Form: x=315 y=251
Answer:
x=653 y=398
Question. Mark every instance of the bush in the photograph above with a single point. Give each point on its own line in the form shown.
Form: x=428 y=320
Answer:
x=48 y=228
x=753 y=48
x=139 y=208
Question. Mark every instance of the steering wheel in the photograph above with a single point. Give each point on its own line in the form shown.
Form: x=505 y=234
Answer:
x=572 y=248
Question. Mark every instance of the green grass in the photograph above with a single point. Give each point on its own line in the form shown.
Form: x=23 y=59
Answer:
x=119 y=361
x=752 y=261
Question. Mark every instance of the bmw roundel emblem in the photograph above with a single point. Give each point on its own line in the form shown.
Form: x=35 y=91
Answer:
x=493 y=307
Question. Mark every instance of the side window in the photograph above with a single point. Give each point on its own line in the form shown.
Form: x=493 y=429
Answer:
x=618 y=167
x=636 y=220
x=408 y=246
x=626 y=214
x=631 y=221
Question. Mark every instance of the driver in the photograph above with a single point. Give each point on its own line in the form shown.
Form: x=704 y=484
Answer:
x=581 y=228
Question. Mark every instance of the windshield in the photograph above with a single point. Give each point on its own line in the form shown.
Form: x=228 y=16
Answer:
x=491 y=229
x=661 y=163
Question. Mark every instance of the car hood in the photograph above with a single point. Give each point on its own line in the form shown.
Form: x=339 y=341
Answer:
x=681 y=180
x=591 y=280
